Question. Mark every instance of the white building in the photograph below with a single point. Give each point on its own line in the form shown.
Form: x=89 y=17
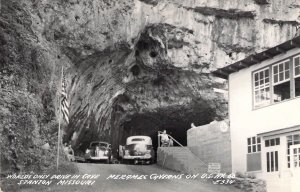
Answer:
x=264 y=113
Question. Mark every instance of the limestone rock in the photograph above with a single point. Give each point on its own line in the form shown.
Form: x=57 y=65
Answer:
x=132 y=67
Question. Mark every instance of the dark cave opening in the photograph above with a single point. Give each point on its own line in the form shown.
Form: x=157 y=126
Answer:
x=176 y=121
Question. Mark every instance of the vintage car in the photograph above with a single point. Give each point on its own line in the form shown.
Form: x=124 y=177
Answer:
x=98 y=151
x=138 y=149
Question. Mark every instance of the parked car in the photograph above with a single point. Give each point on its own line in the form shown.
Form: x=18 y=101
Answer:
x=138 y=149
x=98 y=151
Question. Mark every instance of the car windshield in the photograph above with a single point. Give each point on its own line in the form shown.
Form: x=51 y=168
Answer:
x=99 y=144
x=138 y=139
x=141 y=139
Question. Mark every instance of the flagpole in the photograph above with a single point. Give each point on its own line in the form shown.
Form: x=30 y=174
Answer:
x=59 y=119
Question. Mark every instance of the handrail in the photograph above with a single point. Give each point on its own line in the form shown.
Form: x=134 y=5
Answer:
x=175 y=140
x=180 y=146
x=170 y=138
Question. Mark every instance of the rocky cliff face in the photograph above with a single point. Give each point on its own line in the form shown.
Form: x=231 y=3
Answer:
x=132 y=67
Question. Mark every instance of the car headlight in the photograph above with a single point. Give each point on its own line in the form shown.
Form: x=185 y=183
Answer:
x=126 y=152
x=87 y=151
x=105 y=152
x=148 y=151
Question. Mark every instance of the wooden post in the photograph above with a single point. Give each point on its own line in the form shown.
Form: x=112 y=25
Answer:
x=59 y=119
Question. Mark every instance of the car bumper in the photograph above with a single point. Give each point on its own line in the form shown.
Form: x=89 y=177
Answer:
x=97 y=158
x=137 y=157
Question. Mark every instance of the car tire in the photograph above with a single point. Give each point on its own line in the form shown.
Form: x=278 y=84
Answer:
x=151 y=161
x=125 y=161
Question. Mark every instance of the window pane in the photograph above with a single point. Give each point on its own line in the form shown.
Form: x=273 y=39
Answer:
x=297 y=86
x=281 y=76
x=276 y=160
x=297 y=61
x=287 y=74
x=266 y=73
x=267 y=80
x=272 y=161
x=257 y=98
x=261 y=87
x=249 y=141
x=258 y=139
x=268 y=97
x=261 y=75
x=296 y=137
x=256 y=77
x=258 y=147
x=249 y=149
x=275 y=69
x=275 y=78
x=287 y=65
x=263 y=95
x=272 y=142
x=253 y=148
x=282 y=91
x=277 y=141
x=261 y=82
x=296 y=142
x=297 y=71
x=268 y=162
x=267 y=143
x=253 y=140
x=280 y=68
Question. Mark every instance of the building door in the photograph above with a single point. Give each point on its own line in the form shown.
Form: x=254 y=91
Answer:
x=295 y=167
x=272 y=168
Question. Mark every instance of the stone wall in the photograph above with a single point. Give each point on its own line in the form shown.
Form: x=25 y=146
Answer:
x=211 y=143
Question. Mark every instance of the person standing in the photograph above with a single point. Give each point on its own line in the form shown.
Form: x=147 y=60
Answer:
x=165 y=140
x=69 y=152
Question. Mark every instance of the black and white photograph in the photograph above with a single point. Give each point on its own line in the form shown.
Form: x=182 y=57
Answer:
x=149 y=95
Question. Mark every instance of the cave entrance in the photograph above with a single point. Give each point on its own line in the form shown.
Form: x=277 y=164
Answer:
x=176 y=121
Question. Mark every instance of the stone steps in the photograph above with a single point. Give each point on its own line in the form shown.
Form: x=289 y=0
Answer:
x=180 y=159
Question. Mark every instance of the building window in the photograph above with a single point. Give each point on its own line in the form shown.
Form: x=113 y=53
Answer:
x=272 y=142
x=272 y=161
x=253 y=144
x=297 y=75
x=262 y=87
x=296 y=157
x=281 y=81
x=291 y=140
x=277 y=82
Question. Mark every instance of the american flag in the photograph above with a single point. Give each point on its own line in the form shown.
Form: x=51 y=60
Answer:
x=64 y=100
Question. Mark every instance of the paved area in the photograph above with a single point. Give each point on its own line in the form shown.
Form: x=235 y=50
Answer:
x=105 y=183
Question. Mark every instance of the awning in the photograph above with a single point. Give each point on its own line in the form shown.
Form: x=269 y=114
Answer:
x=280 y=131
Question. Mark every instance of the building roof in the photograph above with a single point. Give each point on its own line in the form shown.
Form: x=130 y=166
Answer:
x=280 y=131
x=257 y=58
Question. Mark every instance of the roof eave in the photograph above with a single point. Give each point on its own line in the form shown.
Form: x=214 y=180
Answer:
x=253 y=59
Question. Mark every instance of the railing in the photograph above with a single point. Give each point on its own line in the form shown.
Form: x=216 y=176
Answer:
x=170 y=137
